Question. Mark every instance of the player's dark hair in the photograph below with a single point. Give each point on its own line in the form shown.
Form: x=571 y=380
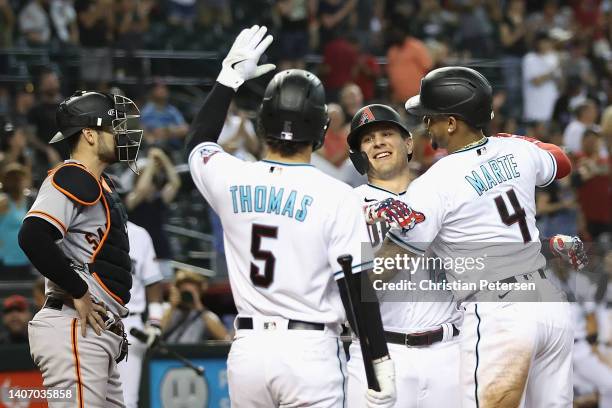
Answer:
x=285 y=148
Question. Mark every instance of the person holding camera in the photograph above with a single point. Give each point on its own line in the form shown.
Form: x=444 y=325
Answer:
x=187 y=320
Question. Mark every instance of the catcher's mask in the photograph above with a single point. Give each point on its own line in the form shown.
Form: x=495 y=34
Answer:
x=94 y=109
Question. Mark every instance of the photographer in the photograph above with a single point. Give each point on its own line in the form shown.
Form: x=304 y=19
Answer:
x=187 y=320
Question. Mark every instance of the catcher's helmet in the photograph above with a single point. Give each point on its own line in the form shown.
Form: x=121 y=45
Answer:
x=294 y=109
x=457 y=91
x=365 y=117
x=95 y=109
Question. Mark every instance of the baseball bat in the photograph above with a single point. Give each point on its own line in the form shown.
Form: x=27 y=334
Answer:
x=346 y=262
x=142 y=336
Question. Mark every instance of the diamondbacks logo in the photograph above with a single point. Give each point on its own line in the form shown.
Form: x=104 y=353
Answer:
x=366 y=116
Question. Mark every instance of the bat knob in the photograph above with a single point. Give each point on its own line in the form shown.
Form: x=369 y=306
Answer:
x=345 y=259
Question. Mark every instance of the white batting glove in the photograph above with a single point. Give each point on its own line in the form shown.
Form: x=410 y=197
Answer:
x=153 y=333
x=570 y=249
x=240 y=64
x=385 y=374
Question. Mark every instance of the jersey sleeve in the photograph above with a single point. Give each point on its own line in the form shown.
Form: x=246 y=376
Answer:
x=544 y=164
x=349 y=235
x=209 y=166
x=54 y=207
x=149 y=271
x=428 y=210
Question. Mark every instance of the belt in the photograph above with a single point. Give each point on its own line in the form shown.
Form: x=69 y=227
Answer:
x=58 y=303
x=513 y=279
x=418 y=339
x=246 y=323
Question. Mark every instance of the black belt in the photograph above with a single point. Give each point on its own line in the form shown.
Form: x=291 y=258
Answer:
x=246 y=323
x=54 y=303
x=513 y=279
x=418 y=339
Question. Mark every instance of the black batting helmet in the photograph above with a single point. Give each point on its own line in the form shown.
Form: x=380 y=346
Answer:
x=90 y=109
x=293 y=108
x=457 y=91
x=364 y=118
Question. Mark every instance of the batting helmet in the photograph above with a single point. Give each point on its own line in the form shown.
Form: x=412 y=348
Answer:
x=457 y=91
x=95 y=109
x=364 y=118
x=294 y=109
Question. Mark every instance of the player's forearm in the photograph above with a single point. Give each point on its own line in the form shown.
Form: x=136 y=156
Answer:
x=37 y=240
x=207 y=124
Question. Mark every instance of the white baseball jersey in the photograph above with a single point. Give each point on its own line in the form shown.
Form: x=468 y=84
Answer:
x=284 y=226
x=415 y=313
x=145 y=270
x=481 y=200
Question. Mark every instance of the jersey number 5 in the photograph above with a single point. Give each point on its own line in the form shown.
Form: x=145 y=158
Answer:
x=262 y=231
x=518 y=216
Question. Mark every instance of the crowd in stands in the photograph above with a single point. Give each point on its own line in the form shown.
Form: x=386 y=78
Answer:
x=550 y=63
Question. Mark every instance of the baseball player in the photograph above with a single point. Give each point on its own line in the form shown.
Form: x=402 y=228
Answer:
x=145 y=299
x=421 y=333
x=75 y=235
x=285 y=224
x=421 y=330
x=478 y=203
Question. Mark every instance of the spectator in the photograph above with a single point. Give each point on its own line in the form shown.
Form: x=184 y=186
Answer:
x=38 y=293
x=351 y=100
x=13 y=145
x=541 y=72
x=335 y=149
x=407 y=62
x=42 y=117
x=549 y=19
x=132 y=23
x=163 y=123
x=148 y=199
x=182 y=13
x=592 y=178
x=556 y=209
x=42 y=21
x=15 y=317
x=577 y=63
x=339 y=59
x=513 y=46
x=7 y=23
x=13 y=208
x=365 y=72
x=293 y=33
x=24 y=101
x=586 y=115
x=434 y=23
x=238 y=135
x=574 y=95
x=588 y=14
x=335 y=16
x=187 y=321
x=96 y=20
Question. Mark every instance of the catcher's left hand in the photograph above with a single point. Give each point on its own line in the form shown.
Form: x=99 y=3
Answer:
x=570 y=249
x=397 y=213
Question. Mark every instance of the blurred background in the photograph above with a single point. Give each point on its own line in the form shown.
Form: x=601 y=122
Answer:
x=550 y=64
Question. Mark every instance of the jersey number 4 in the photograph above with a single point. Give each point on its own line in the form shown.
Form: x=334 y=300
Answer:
x=518 y=216
x=262 y=231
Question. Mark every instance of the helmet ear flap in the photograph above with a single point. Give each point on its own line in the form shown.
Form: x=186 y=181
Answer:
x=360 y=161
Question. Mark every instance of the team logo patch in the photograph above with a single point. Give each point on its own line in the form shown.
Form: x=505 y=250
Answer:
x=366 y=116
x=207 y=154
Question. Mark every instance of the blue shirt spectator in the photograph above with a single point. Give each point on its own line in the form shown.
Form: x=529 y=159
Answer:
x=163 y=123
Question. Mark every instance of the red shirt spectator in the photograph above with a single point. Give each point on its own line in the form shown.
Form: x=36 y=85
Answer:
x=367 y=71
x=339 y=58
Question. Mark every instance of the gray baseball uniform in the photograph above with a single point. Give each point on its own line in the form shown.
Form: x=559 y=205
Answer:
x=94 y=238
